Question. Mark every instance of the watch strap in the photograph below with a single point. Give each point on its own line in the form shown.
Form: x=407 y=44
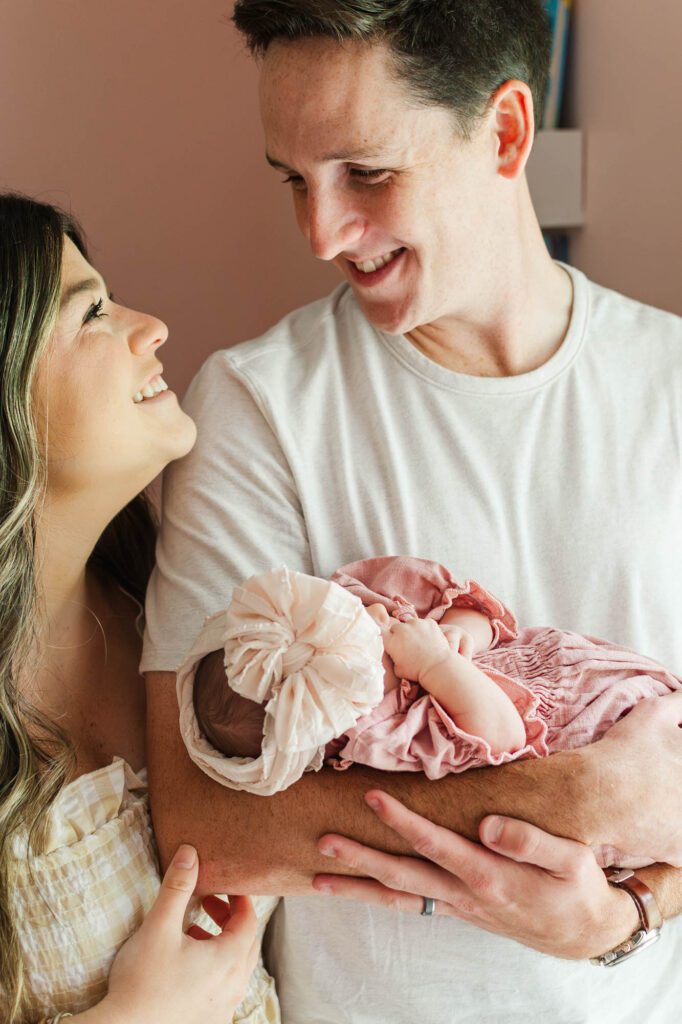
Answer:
x=650 y=917
x=649 y=912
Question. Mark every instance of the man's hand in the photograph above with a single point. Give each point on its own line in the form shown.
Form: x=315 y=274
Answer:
x=545 y=892
x=637 y=767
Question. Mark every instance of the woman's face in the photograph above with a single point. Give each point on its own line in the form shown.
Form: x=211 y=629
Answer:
x=105 y=434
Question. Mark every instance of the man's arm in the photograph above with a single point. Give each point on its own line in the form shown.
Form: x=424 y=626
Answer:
x=268 y=844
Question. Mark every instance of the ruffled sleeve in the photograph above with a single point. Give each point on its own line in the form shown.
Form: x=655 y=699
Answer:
x=415 y=586
x=411 y=731
x=305 y=648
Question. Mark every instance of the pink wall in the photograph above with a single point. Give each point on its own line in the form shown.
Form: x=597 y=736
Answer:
x=142 y=118
x=627 y=81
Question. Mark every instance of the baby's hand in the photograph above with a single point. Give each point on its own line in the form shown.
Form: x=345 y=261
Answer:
x=415 y=646
x=459 y=640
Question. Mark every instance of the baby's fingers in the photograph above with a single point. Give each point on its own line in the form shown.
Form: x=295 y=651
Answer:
x=466 y=645
x=459 y=640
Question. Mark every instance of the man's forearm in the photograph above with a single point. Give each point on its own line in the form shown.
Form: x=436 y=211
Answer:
x=268 y=844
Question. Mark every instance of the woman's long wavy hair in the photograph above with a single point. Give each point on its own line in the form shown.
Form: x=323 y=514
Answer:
x=36 y=756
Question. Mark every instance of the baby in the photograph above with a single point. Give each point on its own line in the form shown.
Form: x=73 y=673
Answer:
x=397 y=665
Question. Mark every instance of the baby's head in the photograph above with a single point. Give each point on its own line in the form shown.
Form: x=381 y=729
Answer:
x=230 y=722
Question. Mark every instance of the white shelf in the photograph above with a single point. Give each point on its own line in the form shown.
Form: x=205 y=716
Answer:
x=555 y=177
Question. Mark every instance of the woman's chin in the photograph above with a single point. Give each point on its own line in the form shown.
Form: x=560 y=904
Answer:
x=176 y=443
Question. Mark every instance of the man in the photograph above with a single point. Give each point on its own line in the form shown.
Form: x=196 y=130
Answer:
x=459 y=397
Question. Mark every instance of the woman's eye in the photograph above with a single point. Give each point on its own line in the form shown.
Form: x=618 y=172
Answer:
x=95 y=312
x=296 y=180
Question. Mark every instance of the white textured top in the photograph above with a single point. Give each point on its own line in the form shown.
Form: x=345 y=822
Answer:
x=325 y=442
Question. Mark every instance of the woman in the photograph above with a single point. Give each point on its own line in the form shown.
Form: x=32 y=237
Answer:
x=86 y=422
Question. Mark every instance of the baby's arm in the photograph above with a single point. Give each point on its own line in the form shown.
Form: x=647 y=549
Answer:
x=470 y=623
x=476 y=704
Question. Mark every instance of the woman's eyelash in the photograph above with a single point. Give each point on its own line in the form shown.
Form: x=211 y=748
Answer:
x=95 y=312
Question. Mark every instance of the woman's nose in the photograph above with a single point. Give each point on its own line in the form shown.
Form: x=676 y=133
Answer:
x=146 y=333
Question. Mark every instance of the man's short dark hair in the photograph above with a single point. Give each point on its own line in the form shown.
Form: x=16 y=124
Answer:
x=451 y=53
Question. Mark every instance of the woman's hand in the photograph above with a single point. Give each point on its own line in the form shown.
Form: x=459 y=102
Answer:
x=545 y=892
x=164 y=975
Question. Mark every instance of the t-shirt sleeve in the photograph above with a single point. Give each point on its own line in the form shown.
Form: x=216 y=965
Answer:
x=229 y=509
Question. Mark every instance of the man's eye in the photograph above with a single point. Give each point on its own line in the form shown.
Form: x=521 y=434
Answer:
x=95 y=312
x=368 y=174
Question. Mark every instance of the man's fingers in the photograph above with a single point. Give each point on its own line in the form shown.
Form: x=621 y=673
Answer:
x=528 y=844
x=176 y=888
x=399 y=874
x=439 y=845
x=366 y=890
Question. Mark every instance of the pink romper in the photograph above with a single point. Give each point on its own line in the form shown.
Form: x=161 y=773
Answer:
x=569 y=689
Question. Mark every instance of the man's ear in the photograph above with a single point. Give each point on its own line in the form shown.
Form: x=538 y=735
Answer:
x=512 y=105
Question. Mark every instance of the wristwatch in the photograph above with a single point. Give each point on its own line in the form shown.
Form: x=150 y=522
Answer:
x=650 y=918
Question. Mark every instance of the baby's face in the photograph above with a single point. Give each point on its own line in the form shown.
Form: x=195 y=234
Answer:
x=383 y=621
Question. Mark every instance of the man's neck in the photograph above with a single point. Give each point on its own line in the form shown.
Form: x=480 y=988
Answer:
x=517 y=320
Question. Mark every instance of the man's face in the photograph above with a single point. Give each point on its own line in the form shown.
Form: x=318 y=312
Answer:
x=383 y=187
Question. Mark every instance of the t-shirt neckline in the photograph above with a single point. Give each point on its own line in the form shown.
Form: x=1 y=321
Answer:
x=414 y=360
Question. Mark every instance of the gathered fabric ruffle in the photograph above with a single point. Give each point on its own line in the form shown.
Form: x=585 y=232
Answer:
x=304 y=648
x=418 y=588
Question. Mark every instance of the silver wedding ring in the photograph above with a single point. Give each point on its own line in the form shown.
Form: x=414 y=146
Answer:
x=429 y=906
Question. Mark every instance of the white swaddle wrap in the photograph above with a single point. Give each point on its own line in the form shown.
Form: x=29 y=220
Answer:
x=310 y=650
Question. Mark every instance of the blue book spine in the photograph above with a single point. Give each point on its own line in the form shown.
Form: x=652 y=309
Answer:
x=559 y=12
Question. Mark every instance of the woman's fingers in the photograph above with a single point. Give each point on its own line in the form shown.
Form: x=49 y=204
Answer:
x=176 y=888
x=218 y=910
x=240 y=928
x=236 y=919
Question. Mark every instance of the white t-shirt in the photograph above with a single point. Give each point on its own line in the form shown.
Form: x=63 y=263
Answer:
x=326 y=441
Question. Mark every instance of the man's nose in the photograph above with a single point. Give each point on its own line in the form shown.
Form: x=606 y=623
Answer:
x=332 y=224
